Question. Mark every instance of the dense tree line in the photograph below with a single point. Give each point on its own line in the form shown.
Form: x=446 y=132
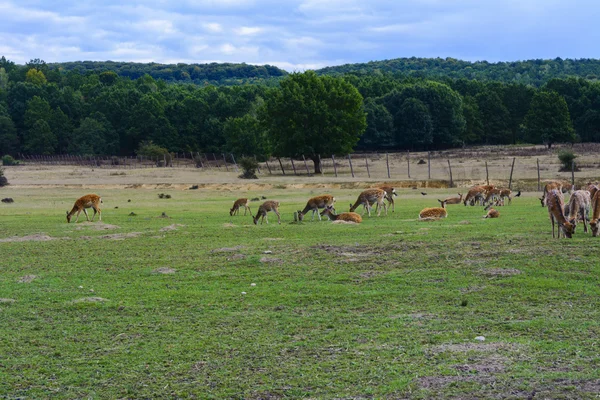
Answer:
x=530 y=72
x=50 y=111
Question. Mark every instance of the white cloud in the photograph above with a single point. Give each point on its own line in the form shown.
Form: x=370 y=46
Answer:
x=247 y=30
x=212 y=27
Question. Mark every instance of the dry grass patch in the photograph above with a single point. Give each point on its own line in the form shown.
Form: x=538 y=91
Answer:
x=164 y=270
x=500 y=271
x=172 y=227
x=27 y=279
x=38 y=237
x=90 y=300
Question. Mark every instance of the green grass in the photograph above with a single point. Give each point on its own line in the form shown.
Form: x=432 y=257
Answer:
x=385 y=309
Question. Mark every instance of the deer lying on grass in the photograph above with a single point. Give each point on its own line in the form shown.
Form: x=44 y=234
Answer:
x=315 y=203
x=329 y=211
x=433 y=213
x=87 y=201
x=269 y=205
x=236 y=207
x=555 y=203
x=368 y=197
x=596 y=214
x=475 y=194
x=390 y=192
x=491 y=213
x=579 y=208
x=451 y=200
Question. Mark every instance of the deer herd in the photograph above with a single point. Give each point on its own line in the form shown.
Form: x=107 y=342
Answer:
x=565 y=216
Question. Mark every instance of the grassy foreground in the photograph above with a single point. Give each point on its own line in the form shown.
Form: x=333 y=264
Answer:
x=386 y=309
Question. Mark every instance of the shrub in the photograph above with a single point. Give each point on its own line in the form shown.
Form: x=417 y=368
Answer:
x=9 y=160
x=249 y=166
x=3 y=180
x=154 y=152
x=566 y=157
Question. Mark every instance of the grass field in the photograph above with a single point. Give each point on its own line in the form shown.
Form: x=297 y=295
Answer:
x=389 y=308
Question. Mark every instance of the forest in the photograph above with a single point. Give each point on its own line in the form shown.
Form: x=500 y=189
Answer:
x=112 y=108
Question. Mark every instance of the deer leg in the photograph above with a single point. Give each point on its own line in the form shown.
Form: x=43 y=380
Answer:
x=279 y=217
x=316 y=210
x=86 y=214
x=77 y=216
x=94 y=216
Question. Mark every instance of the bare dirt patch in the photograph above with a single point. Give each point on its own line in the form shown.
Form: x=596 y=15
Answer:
x=270 y=260
x=230 y=225
x=99 y=226
x=90 y=300
x=236 y=257
x=466 y=347
x=7 y=300
x=172 y=227
x=228 y=249
x=27 y=279
x=500 y=271
x=38 y=237
x=164 y=270
x=114 y=236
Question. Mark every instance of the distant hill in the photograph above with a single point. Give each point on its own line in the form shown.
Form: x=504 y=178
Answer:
x=534 y=72
x=214 y=73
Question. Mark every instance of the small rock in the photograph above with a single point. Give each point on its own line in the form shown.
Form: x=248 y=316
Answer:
x=132 y=214
x=267 y=252
x=129 y=200
x=253 y=284
x=92 y=290
x=480 y=338
x=80 y=287
x=243 y=292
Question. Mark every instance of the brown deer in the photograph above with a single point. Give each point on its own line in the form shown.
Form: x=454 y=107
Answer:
x=562 y=186
x=269 y=205
x=579 y=208
x=433 y=213
x=390 y=192
x=451 y=200
x=592 y=188
x=475 y=194
x=555 y=203
x=491 y=213
x=492 y=196
x=329 y=211
x=368 y=197
x=314 y=204
x=506 y=194
x=87 y=201
x=595 y=214
x=236 y=207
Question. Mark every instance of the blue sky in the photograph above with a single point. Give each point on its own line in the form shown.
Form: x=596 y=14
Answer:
x=297 y=35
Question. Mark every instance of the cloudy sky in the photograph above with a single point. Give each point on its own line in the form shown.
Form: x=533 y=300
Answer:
x=297 y=34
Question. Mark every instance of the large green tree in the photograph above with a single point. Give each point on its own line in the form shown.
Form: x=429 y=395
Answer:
x=312 y=116
x=548 y=119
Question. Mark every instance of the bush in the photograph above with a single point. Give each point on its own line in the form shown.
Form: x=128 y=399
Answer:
x=249 y=166
x=567 y=157
x=154 y=152
x=3 y=180
x=9 y=160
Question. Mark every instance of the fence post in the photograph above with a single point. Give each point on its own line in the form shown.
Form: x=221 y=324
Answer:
x=235 y=164
x=268 y=167
x=334 y=167
x=306 y=165
x=293 y=166
x=428 y=165
x=367 y=163
x=487 y=175
x=320 y=164
x=538 y=169
x=573 y=175
x=450 y=169
x=257 y=164
x=281 y=165
x=511 y=173
x=350 y=162
x=387 y=161
x=408 y=162
x=225 y=160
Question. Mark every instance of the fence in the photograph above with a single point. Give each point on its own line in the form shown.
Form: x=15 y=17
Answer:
x=472 y=165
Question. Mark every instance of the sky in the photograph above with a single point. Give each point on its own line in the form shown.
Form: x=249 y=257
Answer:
x=299 y=34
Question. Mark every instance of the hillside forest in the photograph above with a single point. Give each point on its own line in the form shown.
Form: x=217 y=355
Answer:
x=417 y=104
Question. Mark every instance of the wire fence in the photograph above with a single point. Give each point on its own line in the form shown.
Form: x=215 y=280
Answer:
x=478 y=164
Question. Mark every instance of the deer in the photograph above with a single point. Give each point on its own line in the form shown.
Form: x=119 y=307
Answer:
x=315 y=203
x=236 y=207
x=269 y=205
x=592 y=188
x=433 y=213
x=579 y=208
x=390 y=192
x=491 y=212
x=329 y=211
x=555 y=203
x=492 y=196
x=81 y=204
x=368 y=197
x=506 y=194
x=475 y=194
x=451 y=200
x=563 y=187
x=595 y=214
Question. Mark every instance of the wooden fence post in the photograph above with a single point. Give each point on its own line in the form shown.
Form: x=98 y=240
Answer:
x=511 y=173
x=573 y=175
x=487 y=175
x=281 y=165
x=306 y=165
x=320 y=164
x=408 y=162
x=367 y=163
x=293 y=166
x=387 y=161
x=428 y=165
x=334 y=167
x=538 y=169
x=225 y=160
x=235 y=164
x=350 y=162
x=268 y=167
x=450 y=169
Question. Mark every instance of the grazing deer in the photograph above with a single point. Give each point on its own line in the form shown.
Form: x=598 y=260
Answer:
x=87 y=201
x=595 y=214
x=329 y=211
x=579 y=208
x=368 y=197
x=491 y=213
x=315 y=203
x=269 y=205
x=390 y=192
x=492 y=196
x=451 y=200
x=562 y=186
x=506 y=194
x=555 y=203
x=433 y=213
x=475 y=194
x=236 y=207
x=592 y=188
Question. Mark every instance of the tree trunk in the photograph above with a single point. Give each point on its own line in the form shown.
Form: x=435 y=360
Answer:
x=317 y=163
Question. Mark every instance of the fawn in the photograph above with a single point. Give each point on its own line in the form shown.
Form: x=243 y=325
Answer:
x=451 y=200
x=87 y=201
x=314 y=204
x=269 y=205
x=433 y=213
x=236 y=207
x=368 y=197
x=390 y=192
x=555 y=203
x=346 y=216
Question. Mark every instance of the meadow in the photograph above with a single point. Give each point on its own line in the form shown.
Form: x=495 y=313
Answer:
x=198 y=304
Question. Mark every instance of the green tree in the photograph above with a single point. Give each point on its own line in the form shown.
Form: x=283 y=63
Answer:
x=380 y=125
x=494 y=117
x=36 y=77
x=413 y=125
x=37 y=109
x=473 y=124
x=246 y=135
x=9 y=141
x=88 y=138
x=311 y=115
x=40 y=139
x=548 y=119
